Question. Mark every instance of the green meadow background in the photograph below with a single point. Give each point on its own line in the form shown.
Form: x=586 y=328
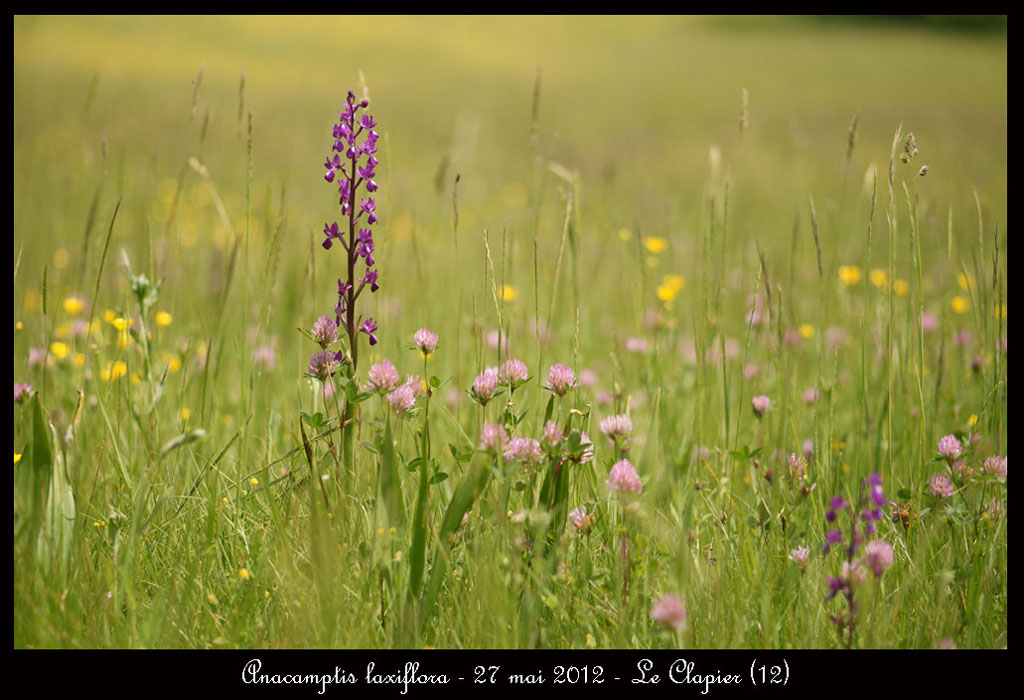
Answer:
x=617 y=178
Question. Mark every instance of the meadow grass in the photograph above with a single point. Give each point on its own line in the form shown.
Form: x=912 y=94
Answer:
x=688 y=213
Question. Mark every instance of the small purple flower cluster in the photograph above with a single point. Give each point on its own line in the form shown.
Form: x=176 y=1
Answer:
x=878 y=554
x=355 y=169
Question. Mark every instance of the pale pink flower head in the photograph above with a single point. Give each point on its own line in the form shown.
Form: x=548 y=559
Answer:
x=522 y=450
x=588 y=451
x=588 y=378
x=413 y=381
x=623 y=477
x=810 y=395
x=22 y=392
x=425 y=340
x=79 y=328
x=749 y=371
x=493 y=437
x=383 y=377
x=325 y=331
x=582 y=520
x=950 y=447
x=561 y=379
x=451 y=397
x=403 y=399
x=616 y=426
x=265 y=356
x=808 y=449
x=492 y=339
x=760 y=404
x=669 y=612
x=835 y=336
x=928 y=322
x=637 y=345
x=797 y=466
x=514 y=373
x=552 y=433
x=539 y=330
x=878 y=555
x=996 y=465
x=940 y=486
x=995 y=508
x=791 y=337
x=485 y=384
x=603 y=397
x=853 y=572
x=800 y=555
x=963 y=338
x=322 y=365
x=36 y=357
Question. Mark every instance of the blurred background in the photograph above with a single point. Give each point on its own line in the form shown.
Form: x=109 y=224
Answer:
x=678 y=146
x=646 y=111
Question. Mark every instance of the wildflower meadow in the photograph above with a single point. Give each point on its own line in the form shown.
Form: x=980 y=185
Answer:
x=560 y=332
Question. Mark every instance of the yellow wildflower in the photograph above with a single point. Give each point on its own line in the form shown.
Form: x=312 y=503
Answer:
x=17 y=457
x=163 y=319
x=60 y=258
x=59 y=350
x=849 y=274
x=879 y=277
x=960 y=304
x=509 y=293
x=676 y=282
x=109 y=315
x=806 y=330
x=172 y=361
x=901 y=287
x=74 y=305
x=254 y=481
x=655 y=244
x=243 y=574
x=964 y=281
x=625 y=234
x=114 y=370
x=79 y=359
